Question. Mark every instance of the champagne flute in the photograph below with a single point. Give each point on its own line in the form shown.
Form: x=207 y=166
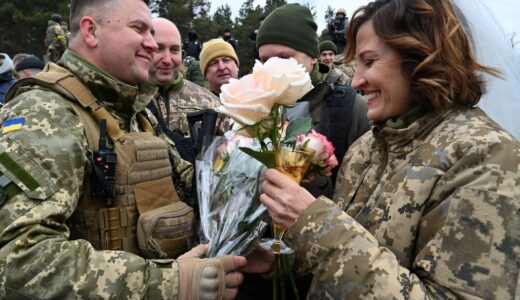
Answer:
x=292 y=163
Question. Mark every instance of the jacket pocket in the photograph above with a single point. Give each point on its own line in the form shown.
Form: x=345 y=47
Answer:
x=164 y=232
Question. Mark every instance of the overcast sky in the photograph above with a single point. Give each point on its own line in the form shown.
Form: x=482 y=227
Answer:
x=507 y=11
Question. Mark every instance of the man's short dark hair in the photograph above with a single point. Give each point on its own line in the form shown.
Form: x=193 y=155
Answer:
x=78 y=9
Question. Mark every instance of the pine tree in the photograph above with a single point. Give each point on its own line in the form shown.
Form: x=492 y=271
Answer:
x=329 y=20
x=247 y=20
x=271 y=5
x=202 y=20
x=222 y=20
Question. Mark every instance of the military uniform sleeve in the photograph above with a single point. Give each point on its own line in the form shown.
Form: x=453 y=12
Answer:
x=195 y=74
x=467 y=243
x=42 y=167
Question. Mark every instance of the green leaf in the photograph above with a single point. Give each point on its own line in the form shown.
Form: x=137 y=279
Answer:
x=297 y=127
x=266 y=158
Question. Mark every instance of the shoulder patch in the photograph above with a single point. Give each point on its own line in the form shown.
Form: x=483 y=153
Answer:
x=12 y=125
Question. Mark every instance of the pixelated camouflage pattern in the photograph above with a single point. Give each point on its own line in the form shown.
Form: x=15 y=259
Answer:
x=55 y=41
x=190 y=69
x=429 y=211
x=36 y=259
x=175 y=104
x=347 y=68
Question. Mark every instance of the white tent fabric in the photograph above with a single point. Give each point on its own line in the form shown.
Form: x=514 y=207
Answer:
x=493 y=48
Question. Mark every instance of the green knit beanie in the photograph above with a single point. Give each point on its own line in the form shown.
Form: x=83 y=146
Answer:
x=291 y=25
x=328 y=45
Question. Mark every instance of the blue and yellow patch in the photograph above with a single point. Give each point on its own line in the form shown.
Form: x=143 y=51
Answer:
x=12 y=125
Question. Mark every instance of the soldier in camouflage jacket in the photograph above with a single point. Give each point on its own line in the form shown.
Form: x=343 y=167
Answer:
x=177 y=96
x=426 y=204
x=44 y=162
x=55 y=38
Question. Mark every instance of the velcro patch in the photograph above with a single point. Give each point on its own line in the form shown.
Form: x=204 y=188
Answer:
x=12 y=125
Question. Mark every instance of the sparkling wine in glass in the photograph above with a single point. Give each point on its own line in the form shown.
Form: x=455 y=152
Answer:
x=293 y=163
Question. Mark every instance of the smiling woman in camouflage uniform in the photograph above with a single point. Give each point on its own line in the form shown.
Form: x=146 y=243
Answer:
x=427 y=203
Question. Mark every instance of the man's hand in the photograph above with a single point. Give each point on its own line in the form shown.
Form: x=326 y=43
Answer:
x=210 y=278
x=196 y=252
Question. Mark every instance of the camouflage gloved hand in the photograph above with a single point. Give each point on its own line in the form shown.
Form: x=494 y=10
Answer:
x=210 y=278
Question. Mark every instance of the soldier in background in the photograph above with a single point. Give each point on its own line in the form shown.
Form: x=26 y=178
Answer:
x=336 y=110
x=328 y=53
x=19 y=56
x=219 y=63
x=337 y=29
x=6 y=75
x=226 y=36
x=192 y=45
x=190 y=69
x=329 y=57
x=28 y=66
x=55 y=38
x=64 y=218
x=177 y=96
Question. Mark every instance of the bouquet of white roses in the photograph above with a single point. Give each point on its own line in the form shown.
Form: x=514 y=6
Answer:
x=228 y=180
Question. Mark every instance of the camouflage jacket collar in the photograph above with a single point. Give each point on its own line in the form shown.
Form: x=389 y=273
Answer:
x=176 y=85
x=110 y=91
x=405 y=119
x=404 y=139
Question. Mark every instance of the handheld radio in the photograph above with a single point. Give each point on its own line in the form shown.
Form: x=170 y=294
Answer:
x=103 y=166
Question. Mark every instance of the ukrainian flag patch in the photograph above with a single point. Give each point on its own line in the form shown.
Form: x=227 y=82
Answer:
x=12 y=125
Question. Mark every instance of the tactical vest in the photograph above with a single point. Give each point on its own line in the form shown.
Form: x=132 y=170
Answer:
x=144 y=215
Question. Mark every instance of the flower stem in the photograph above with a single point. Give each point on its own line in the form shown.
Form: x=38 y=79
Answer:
x=282 y=279
x=285 y=265
x=275 y=277
x=275 y=135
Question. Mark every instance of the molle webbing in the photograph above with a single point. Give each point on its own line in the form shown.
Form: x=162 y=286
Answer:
x=143 y=171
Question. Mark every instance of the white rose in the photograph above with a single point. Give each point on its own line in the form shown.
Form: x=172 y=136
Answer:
x=246 y=100
x=286 y=77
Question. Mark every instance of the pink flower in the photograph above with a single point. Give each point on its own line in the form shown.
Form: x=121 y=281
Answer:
x=323 y=149
x=283 y=129
x=233 y=141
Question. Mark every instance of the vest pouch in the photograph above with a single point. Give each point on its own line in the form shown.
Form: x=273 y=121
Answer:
x=164 y=232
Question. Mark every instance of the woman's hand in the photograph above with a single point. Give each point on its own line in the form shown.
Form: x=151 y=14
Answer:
x=284 y=198
x=259 y=261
